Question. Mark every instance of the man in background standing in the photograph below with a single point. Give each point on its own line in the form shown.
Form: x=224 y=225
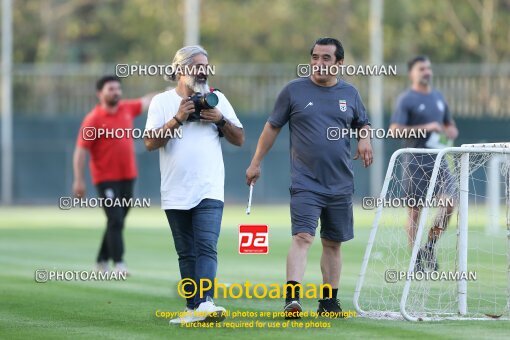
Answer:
x=112 y=162
x=422 y=107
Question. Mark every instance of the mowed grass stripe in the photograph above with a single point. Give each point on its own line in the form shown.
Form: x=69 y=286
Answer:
x=115 y=310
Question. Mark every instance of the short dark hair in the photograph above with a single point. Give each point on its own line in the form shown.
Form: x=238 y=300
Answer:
x=339 y=52
x=417 y=59
x=104 y=79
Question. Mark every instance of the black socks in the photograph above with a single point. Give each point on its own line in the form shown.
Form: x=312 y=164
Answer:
x=292 y=292
x=328 y=292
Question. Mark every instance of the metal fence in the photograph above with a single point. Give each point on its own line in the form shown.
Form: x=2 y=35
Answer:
x=472 y=90
x=51 y=100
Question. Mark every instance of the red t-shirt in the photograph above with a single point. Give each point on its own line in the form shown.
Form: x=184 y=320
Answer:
x=111 y=158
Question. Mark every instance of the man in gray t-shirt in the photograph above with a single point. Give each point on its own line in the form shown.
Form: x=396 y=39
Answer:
x=318 y=109
x=423 y=108
x=417 y=109
x=319 y=162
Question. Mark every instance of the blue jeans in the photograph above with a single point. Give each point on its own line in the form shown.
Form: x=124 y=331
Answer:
x=195 y=232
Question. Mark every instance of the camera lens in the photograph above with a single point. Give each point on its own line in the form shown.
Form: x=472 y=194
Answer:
x=210 y=100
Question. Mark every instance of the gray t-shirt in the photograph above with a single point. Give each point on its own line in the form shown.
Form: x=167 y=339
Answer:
x=318 y=163
x=416 y=108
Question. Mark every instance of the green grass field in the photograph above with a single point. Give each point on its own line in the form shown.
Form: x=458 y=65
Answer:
x=34 y=238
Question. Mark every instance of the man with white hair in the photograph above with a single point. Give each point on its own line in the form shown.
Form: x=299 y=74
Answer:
x=192 y=173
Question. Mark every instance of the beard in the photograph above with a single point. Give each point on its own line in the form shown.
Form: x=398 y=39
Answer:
x=197 y=85
x=112 y=101
x=426 y=80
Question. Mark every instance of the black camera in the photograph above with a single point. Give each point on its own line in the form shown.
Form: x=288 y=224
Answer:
x=202 y=102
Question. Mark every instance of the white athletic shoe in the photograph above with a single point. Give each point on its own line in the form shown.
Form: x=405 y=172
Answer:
x=185 y=317
x=102 y=267
x=207 y=311
x=120 y=267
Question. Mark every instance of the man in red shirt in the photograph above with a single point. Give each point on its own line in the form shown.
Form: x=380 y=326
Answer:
x=112 y=161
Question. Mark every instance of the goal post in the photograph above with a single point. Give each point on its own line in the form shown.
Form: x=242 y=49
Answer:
x=471 y=277
x=463 y=230
x=375 y=226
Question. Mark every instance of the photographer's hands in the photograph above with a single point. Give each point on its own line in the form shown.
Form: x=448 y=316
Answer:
x=211 y=116
x=232 y=133
x=154 y=142
x=185 y=109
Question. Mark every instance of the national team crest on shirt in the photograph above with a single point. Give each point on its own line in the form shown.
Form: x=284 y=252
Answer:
x=343 y=105
x=440 y=105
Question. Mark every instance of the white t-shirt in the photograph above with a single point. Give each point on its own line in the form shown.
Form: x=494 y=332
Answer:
x=192 y=166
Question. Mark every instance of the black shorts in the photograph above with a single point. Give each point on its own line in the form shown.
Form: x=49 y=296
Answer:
x=417 y=172
x=335 y=213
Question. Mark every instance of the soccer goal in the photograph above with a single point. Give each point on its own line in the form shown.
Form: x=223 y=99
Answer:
x=445 y=264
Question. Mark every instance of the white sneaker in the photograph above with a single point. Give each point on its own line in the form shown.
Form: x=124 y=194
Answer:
x=207 y=311
x=120 y=267
x=184 y=317
x=102 y=267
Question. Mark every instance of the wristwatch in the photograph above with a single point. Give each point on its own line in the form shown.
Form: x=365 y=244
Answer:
x=221 y=123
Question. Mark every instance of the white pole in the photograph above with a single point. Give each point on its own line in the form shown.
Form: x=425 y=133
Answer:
x=375 y=94
x=463 y=231
x=464 y=195
x=375 y=227
x=419 y=233
x=7 y=162
x=507 y=201
x=493 y=193
x=375 y=224
x=192 y=22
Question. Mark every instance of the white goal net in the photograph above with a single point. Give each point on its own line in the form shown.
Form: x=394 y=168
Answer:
x=438 y=247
